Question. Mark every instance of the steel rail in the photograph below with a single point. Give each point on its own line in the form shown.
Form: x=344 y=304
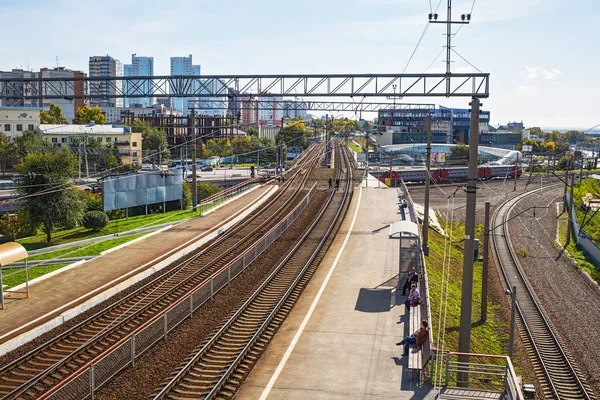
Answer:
x=254 y=302
x=16 y=365
x=561 y=375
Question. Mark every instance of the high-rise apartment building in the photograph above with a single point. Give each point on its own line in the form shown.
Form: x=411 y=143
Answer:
x=270 y=111
x=68 y=105
x=103 y=66
x=140 y=66
x=184 y=66
x=16 y=89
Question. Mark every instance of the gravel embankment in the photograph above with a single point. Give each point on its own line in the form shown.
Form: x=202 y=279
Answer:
x=567 y=297
x=154 y=368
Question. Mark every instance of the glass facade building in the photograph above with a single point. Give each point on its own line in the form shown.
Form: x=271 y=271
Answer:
x=184 y=66
x=140 y=66
x=448 y=125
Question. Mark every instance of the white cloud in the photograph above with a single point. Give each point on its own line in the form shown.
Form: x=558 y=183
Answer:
x=548 y=74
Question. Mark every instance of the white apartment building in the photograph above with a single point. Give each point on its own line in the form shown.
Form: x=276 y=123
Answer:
x=16 y=120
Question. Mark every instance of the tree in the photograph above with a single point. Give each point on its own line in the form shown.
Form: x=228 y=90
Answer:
x=294 y=134
x=87 y=114
x=459 y=154
x=252 y=130
x=8 y=153
x=186 y=199
x=344 y=126
x=155 y=142
x=48 y=196
x=220 y=147
x=53 y=116
x=26 y=143
x=242 y=145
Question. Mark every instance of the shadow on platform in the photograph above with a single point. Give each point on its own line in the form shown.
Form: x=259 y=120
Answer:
x=374 y=300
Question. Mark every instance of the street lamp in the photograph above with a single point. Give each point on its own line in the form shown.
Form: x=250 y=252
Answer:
x=513 y=295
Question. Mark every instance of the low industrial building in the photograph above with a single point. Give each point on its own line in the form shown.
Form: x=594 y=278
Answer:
x=120 y=114
x=128 y=143
x=16 y=120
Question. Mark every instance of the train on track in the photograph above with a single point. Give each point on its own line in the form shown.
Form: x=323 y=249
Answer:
x=453 y=173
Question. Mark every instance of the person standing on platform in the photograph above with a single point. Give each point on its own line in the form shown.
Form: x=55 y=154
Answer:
x=412 y=277
x=416 y=339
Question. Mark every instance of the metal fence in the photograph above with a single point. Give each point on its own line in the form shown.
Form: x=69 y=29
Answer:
x=83 y=383
x=225 y=195
x=485 y=372
x=583 y=239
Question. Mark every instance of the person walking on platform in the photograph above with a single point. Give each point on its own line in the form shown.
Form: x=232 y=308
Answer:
x=330 y=183
x=416 y=339
x=337 y=184
x=412 y=277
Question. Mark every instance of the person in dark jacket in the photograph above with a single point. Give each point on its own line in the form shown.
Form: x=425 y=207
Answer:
x=416 y=339
x=330 y=183
x=412 y=277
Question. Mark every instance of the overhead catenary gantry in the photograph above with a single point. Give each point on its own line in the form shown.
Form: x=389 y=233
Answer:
x=300 y=105
x=312 y=85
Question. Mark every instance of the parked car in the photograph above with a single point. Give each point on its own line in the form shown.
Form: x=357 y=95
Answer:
x=206 y=169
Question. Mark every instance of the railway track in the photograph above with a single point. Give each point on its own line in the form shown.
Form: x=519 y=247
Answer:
x=39 y=370
x=222 y=362
x=556 y=371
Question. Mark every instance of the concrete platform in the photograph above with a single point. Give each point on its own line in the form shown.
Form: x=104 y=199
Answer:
x=339 y=340
x=69 y=292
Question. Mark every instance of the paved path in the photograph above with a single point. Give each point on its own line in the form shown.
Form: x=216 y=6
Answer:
x=53 y=296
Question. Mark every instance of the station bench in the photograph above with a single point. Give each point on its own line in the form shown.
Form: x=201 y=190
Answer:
x=415 y=354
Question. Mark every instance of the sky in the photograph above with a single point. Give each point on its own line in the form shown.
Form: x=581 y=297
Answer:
x=542 y=54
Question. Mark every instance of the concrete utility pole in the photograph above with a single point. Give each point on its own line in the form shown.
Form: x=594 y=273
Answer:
x=464 y=337
x=570 y=227
x=427 y=179
x=565 y=194
x=516 y=173
x=194 y=178
x=484 y=278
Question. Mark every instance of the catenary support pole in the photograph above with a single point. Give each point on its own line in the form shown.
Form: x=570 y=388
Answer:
x=513 y=310
x=194 y=177
x=484 y=278
x=566 y=188
x=367 y=160
x=464 y=337
x=570 y=226
x=516 y=173
x=427 y=179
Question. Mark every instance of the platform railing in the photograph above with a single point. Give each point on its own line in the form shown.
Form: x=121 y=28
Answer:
x=87 y=380
x=485 y=372
x=227 y=194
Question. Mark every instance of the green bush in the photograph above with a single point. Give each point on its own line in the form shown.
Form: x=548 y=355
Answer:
x=207 y=189
x=187 y=196
x=116 y=214
x=92 y=201
x=95 y=220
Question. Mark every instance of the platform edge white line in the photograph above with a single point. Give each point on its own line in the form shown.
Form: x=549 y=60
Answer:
x=294 y=341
